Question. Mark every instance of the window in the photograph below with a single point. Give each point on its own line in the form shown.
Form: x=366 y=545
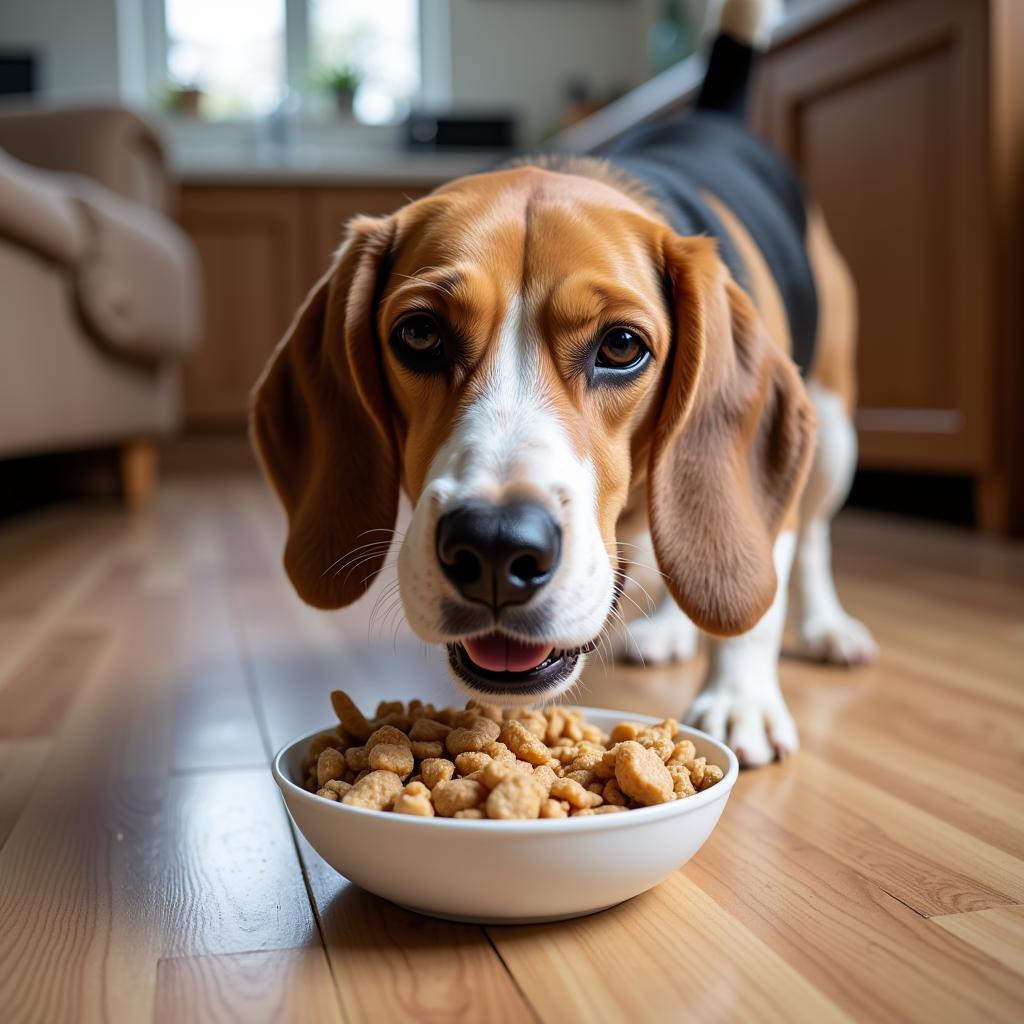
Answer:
x=245 y=55
x=233 y=50
x=378 y=39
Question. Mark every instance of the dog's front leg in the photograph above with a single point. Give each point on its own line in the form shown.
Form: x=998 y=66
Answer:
x=741 y=702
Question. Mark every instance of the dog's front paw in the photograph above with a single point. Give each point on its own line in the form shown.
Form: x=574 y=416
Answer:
x=665 y=637
x=758 y=726
x=837 y=640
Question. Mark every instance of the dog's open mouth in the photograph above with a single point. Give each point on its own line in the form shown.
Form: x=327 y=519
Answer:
x=499 y=664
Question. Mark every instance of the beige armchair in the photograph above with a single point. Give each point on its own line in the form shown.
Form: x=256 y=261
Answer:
x=99 y=288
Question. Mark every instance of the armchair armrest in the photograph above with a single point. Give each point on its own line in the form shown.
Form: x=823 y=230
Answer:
x=110 y=145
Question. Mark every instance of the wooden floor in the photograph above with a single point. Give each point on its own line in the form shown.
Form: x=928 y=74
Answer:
x=149 y=666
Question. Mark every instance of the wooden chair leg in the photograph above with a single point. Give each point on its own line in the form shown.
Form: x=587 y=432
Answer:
x=138 y=473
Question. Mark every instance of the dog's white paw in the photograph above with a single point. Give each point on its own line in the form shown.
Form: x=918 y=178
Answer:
x=837 y=640
x=758 y=727
x=659 y=640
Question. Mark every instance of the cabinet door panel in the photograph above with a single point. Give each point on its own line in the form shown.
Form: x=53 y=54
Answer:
x=251 y=252
x=884 y=112
x=331 y=209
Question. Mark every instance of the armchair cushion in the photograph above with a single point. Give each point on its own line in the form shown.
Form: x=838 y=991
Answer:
x=138 y=283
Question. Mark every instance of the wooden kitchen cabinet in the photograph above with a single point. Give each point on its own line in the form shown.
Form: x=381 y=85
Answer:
x=906 y=119
x=260 y=249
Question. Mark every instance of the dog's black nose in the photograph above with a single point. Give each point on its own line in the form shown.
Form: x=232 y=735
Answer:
x=499 y=554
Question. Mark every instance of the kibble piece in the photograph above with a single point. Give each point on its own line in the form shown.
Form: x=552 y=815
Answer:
x=545 y=777
x=587 y=759
x=499 y=752
x=457 y=795
x=329 y=765
x=339 y=787
x=568 y=789
x=357 y=758
x=553 y=809
x=427 y=748
x=470 y=812
x=470 y=761
x=642 y=775
x=585 y=777
x=494 y=772
x=375 y=790
x=387 y=734
x=328 y=793
x=682 y=784
x=606 y=768
x=389 y=707
x=556 y=723
x=435 y=770
x=414 y=799
x=400 y=722
x=712 y=774
x=491 y=711
x=682 y=752
x=524 y=744
x=625 y=731
x=392 y=757
x=516 y=796
x=428 y=729
x=659 y=743
x=350 y=716
x=474 y=736
x=613 y=795
x=697 y=766
x=320 y=743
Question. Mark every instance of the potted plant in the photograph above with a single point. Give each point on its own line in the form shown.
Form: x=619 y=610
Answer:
x=183 y=98
x=343 y=82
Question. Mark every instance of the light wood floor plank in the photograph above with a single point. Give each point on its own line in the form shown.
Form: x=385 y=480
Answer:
x=246 y=988
x=21 y=763
x=671 y=954
x=29 y=710
x=998 y=933
x=929 y=865
x=870 y=954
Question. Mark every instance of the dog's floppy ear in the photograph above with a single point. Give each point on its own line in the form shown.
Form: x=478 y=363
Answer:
x=731 y=447
x=322 y=426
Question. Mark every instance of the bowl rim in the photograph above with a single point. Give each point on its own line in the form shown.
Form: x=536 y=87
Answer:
x=673 y=808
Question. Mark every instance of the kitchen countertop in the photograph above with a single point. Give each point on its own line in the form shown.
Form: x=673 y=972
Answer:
x=378 y=168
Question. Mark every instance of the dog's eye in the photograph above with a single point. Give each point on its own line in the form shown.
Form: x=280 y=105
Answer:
x=620 y=349
x=422 y=343
x=419 y=333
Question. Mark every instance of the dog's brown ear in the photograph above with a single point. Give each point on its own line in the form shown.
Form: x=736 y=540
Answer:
x=323 y=430
x=731 y=447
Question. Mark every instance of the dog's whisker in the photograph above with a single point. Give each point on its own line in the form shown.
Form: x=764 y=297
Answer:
x=362 y=560
x=344 y=559
x=626 y=578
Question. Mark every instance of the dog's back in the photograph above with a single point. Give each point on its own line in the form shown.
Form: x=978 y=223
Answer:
x=695 y=163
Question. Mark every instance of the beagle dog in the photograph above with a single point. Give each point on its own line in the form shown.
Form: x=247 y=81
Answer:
x=592 y=377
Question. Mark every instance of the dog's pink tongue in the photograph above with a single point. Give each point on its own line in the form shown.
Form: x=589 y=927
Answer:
x=498 y=653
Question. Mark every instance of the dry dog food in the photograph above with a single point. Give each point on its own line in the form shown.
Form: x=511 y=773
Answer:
x=483 y=762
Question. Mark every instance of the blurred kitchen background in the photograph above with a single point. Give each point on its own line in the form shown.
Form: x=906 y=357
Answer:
x=174 y=175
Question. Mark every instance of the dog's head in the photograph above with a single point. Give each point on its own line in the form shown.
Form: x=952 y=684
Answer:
x=522 y=351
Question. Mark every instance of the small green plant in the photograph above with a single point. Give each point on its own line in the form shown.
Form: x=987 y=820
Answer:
x=345 y=78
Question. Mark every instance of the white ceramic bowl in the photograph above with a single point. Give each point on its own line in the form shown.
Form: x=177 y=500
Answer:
x=508 y=872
